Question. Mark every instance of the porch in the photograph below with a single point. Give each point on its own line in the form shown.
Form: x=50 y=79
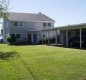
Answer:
x=70 y=36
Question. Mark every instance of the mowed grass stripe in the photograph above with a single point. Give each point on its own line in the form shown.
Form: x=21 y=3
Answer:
x=29 y=71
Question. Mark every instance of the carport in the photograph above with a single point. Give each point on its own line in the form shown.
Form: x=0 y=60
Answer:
x=67 y=33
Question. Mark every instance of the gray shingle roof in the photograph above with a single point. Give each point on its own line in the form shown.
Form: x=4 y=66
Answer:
x=28 y=17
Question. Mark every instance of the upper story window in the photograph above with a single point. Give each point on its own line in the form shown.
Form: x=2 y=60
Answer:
x=20 y=23
x=15 y=23
x=49 y=24
x=44 y=24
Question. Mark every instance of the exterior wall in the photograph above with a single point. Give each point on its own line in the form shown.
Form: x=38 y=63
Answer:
x=6 y=30
x=9 y=28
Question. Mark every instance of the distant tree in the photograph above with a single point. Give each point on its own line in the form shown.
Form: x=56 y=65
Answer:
x=4 y=8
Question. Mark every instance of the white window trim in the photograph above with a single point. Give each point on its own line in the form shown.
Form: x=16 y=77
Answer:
x=19 y=34
x=18 y=23
x=44 y=23
x=16 y=34
x=47 y=24
x=14 y=22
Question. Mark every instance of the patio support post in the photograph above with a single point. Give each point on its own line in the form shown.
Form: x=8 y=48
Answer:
x=62 y=37
x=37 y=37
x=48 y=38
x=42 y=36
x=80 y=38
x=56 y=37
x=66 y=38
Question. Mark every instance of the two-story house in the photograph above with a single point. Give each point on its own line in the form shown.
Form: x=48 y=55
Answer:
x=25 y=25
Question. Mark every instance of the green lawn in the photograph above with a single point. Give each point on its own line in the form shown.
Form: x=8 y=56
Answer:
x=41 y=62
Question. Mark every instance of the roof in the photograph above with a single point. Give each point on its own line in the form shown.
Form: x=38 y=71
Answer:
x=28 y=17
x=74 y=26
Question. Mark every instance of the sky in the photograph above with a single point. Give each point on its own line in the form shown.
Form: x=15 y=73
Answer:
x=64 y=12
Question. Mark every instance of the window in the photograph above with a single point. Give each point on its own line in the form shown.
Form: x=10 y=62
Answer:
x=44 y=24
x=12 y=35
x=20 y=23
x=17 y=35
x=49 y=24
x=15 y=23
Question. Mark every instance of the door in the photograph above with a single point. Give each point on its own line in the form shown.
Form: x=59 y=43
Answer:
x=34 y=38
x=29 y=38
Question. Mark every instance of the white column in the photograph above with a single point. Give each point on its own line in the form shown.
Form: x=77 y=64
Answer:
x=42 y=36
x=66 y=38
x=62 y=36
x=48 y=38
x=80 y=38
x=56 y=37
x=38 y=37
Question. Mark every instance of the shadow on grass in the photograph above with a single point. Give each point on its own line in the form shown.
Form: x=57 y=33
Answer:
x=27 y=44
x=7 y=55
x=68 y=47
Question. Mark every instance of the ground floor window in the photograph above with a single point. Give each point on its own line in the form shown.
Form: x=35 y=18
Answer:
x=12 y=35
x=17 y=35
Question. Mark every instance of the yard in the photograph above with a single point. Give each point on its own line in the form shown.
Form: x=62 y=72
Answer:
x=41 y=62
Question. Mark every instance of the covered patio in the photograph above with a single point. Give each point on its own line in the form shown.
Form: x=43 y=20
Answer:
x=69 y=35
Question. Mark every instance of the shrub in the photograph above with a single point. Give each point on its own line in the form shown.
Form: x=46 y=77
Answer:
x=11 y=39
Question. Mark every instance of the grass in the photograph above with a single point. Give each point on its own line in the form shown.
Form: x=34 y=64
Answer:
x=41 y=62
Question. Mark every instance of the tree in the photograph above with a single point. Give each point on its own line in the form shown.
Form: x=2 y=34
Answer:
x=4 y=8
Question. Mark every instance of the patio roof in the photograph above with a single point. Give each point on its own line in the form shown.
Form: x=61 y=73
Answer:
x=76 y=26
x=68 y=27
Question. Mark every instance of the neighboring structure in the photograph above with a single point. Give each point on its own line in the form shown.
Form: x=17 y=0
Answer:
x=25 y=26
x=71 y=35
